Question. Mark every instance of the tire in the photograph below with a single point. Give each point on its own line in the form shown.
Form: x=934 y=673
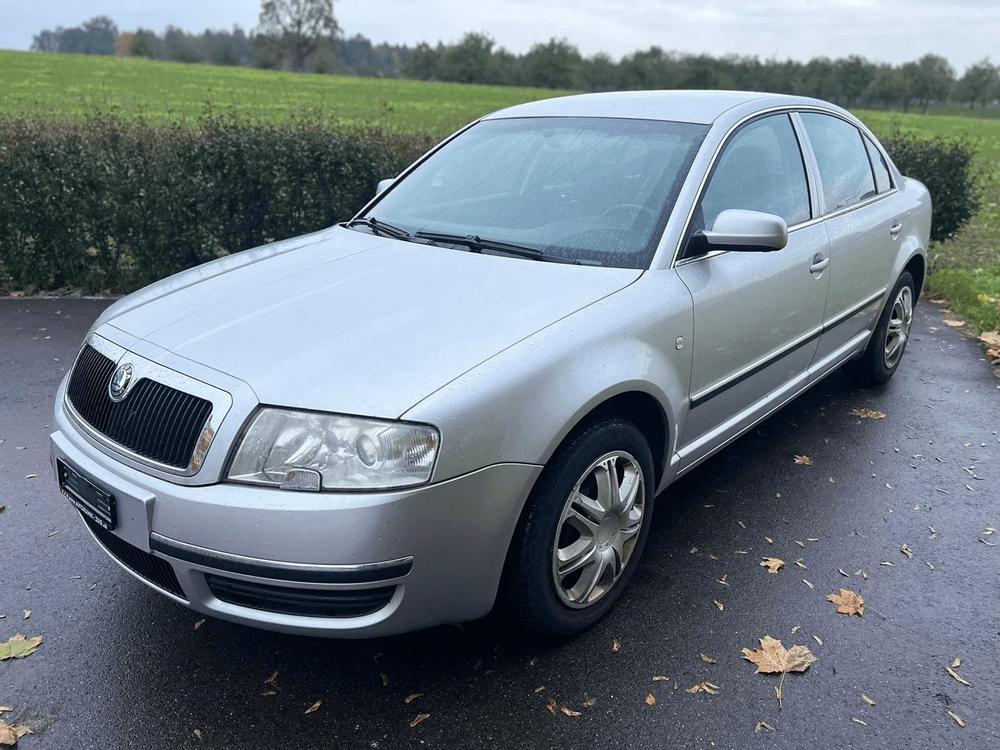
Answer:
x=874 y=366
x=531 y=589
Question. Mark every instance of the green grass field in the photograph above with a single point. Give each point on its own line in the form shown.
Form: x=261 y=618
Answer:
x=966 y=268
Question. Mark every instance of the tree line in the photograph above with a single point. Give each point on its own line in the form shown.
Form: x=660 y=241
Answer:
x=303 y=35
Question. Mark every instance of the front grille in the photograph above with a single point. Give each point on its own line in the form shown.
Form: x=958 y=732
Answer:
x=154 y=420
x=146 y=566
x=306 y=602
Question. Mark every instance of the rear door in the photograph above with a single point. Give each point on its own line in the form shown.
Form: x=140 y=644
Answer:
x=757 y=315
x=857 y=197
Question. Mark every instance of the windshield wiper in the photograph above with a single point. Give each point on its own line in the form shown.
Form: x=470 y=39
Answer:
x=477 y=244
x=380 y=227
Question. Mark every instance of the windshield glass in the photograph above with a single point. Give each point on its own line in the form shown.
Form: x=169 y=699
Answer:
x=594 y=190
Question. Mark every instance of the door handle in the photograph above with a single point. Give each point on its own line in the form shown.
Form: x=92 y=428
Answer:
x=896 y=228
x=819 y=264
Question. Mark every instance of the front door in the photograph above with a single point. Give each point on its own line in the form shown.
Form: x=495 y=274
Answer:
x=757 y=315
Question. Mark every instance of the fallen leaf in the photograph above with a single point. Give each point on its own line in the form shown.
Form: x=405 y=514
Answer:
x=763 y=726
x=867 y=700
x=199 y=623
x=271 y=680
x=660 y=678
x=843 y=572
x=773 y=564
x=27 y=613
x=951 y=670
x=615 y=646
x=551 y=704
x=569 y=711
x=314 y=707
x=856 y=720
x=795 y=629
x=418 y=719
x=905 y=549
x=957 y=662
x=6 y=709
x=957 y=718
x=11 y=733
x=719 y=604
x=708 y=659
x=704 y=687
x=589 y=702
x=650 y=699
x=818 y=640
x=868 y=414
x=807 y=583
x=803 y=460
x=17 y=647
x=197 y=733
x=847 y=602
x=773 y=658
x=953 y=323
x=413 y=696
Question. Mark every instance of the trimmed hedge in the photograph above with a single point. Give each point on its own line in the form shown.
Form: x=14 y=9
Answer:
x=945 y=166
x=109 y=205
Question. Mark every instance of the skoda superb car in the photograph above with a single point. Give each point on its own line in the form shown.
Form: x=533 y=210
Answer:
x=473 y=391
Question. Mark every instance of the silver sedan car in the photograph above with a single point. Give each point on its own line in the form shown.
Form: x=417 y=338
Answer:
x=472 y=392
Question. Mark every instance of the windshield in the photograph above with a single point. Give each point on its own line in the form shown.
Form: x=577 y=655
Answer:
x=591 y=190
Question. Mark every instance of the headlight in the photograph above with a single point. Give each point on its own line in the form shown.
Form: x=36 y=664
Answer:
x=313 y=451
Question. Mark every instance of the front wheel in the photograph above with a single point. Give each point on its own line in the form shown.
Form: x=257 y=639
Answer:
x=583 y=530
x=888 y=341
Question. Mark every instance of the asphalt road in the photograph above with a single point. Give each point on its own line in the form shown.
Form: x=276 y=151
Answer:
x=122 y=667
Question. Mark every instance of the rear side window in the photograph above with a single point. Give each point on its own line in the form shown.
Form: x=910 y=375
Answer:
x=882 y=180
x=761 y=169
x=844 y=167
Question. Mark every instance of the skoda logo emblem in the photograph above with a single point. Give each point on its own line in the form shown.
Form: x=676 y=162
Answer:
x=120 y=382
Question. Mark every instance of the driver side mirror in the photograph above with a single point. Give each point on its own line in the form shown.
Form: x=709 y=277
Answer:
x=384 y=185
x=737 y=229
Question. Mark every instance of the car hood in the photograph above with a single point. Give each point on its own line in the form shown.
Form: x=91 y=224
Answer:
x=346 y=322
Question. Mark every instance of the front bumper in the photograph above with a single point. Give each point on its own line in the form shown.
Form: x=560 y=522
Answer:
x=419 y=557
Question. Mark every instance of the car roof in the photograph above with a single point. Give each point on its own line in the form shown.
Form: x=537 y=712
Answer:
x=677 y=105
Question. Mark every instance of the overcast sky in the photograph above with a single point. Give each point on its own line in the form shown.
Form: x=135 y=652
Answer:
x=891 y=30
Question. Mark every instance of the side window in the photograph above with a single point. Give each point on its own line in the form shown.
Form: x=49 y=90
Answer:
x=882 y=180
x=761 y=169
x=843 y=161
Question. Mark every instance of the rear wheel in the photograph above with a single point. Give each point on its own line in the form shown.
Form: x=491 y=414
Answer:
x=583 y=530
x=888 y=341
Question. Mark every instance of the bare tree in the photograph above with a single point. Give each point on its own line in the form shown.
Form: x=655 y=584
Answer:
x=298 y=27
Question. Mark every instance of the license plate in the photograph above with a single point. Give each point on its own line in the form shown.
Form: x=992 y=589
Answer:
x=95 y=502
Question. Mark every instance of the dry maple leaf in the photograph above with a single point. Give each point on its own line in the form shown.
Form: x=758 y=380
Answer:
x=952 y=323
x=17 y=647
x=803 y=460
x=773 y=658
x=551 y=704
x=660 y=678
x=708 y=659
x=569 y=711
x=868 y=413
x=11 y=733
x=847 y=602
x=650 y=699
x=418 y=719
x=704 y=687
x=773 y=564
